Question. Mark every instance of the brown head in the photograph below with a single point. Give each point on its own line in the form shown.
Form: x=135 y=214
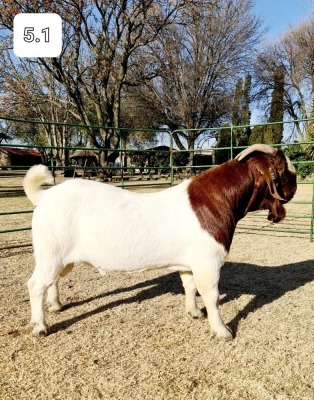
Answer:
x=274 y=172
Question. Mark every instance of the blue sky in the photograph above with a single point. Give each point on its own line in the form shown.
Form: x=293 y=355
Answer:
x=280 y=14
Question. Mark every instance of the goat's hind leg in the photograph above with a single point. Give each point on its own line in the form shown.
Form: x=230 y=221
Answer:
x=37 y=287
x=53 y=300
x=190 y=295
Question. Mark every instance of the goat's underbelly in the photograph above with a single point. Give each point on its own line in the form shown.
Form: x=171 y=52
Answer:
x=132 y=260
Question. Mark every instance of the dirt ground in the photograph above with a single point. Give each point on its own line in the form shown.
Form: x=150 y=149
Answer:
x=126 y=336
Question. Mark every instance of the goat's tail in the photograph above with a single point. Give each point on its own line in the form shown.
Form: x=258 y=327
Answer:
x=35 y=177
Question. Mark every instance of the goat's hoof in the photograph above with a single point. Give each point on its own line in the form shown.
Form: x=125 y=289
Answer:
x=196 y=314
x=57 y=307
x=39 y=329
x=224 y=333
x=40 y=332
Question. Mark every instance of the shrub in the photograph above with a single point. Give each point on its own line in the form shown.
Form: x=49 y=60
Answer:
x=299 y=153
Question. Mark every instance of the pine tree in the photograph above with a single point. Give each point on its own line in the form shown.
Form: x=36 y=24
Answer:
x=241 y=113
x=237 y=104
x=246 y=113
x=274 y=133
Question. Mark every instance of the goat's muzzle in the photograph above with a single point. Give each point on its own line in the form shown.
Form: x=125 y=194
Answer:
x=276 y=210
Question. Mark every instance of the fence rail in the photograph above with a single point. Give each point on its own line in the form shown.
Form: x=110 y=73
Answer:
x=167 y=173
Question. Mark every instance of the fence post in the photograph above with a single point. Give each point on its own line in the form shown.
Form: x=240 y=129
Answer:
x=312 y=217
x=121 y=159
x=171 y=160
x=51 y=153
x=231 y=144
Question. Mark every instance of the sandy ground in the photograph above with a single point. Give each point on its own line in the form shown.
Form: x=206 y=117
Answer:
x=126 y=336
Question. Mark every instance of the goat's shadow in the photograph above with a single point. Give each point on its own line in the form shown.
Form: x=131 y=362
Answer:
x=266 y=284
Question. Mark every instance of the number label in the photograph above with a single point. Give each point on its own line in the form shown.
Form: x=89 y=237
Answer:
x=29 y=35
x=46 y=33
x=37 y=35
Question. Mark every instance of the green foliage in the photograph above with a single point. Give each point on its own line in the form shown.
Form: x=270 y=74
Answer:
x=272 y=134
x=310 y=130
x=246 y=113
x=277 y=104
x=241 y=114
x=160 y=159
x=257 y=135
x=138 y=139
x=223 y=138
x=300 y=153
x=181 y=158
x=236 y=107
x=267 y=134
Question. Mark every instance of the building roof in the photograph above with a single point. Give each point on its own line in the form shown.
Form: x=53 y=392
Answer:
x=21 y=152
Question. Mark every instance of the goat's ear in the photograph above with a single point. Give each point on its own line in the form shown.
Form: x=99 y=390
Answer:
x=272 y=180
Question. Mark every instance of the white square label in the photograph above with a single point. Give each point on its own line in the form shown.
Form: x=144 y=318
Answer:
x=37 y=35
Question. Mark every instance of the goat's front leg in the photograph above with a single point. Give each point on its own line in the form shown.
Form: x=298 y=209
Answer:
x=190 y=295
x=206 y=278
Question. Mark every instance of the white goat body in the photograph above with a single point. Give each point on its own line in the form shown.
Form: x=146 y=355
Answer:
x=186 y=228
x=115 y=229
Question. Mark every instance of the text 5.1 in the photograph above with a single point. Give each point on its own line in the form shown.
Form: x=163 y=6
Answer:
x=37 y=35
x=29 y=35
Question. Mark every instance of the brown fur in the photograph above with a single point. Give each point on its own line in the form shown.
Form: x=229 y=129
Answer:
x=223 y=195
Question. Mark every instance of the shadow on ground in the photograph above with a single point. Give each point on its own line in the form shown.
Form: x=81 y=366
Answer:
x=266 y=284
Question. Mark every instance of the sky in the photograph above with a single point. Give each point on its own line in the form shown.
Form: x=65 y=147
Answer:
x=278 y=15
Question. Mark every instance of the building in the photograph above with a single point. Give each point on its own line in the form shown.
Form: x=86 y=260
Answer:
x=18 y=157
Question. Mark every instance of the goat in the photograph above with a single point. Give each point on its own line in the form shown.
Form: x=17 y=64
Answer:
x=186 y=228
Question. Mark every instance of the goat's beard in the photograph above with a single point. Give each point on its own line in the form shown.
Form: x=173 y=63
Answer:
x=277 y=211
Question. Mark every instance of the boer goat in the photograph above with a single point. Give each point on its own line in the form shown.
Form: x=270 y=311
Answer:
x=187 y=228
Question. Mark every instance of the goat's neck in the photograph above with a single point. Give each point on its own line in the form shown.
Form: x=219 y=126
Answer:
x=221 y=197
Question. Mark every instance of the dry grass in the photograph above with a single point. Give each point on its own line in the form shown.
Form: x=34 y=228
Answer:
x=126 y=336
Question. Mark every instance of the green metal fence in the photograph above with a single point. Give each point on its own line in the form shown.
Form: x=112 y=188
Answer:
x=166 y=166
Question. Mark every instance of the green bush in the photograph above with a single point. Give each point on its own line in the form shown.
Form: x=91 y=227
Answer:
x=297 y=153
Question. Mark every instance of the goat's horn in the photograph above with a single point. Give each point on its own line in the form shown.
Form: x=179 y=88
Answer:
x=264 y=148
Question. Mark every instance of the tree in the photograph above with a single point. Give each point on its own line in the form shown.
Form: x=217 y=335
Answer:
x=303 y=39
x=294 y=52
x=200 y=59
x=5 y=134
x=241 y=113
x=28 y=92
x=246 y=111
x=241 y=116
x=298 y=153
x=274 y=133
x=236 y=104
x=101 y=42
